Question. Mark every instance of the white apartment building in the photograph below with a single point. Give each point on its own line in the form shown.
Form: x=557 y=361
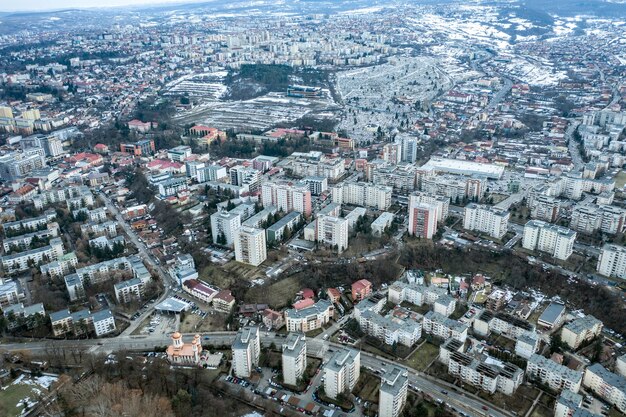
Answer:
x=527 y=344
x=342 y=372
x=287 y=197
x=250 y=246
x=224 y=227
x=609 y=386
x=543 y=207
x=581 y=330
x=247 y=178
x=486 y=219
x=444 y=305
x=501 y=323
x=246 y=351
x=381 y=223
x=210 y=173
x=555 y=376
x=394 y=385
x=332 y=231
x=294 y=358
x=309 y=318
x=417 y=294
x=363 y=194
x=567 y=404
x=24 y=241
x=22 y=261
x=443 y=327
x=545 y=237
x=620 y=365
x=422 y=219
x=491 y=378
x=442 y=203
x=612 y=261
x=392 y=329
x=61 y=266
x=129 y=290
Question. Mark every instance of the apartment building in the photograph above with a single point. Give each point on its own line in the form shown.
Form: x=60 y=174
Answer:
x=568 y=403
x=129 y=290
x=361 y=289
x=552 y=374
x=10 y=293
x=442 y=203
x=491 y=378
x=447 y=348
x=245 y=177
x=250 y=247
x=363 y=194
x=14 y=165
x=179 y=153
x=545 y=237
x=394 y=383
x=456 y=188
x=501 y=323
x=287 y=197
x=22 y=261
x=382 y=223
x=612 y=261
x=620 y=365
x=399 y=326
x=246 y=351
x=527 y=344
x=108 y=228
x=342 y=372
x=543 y=207
x=80 y=322
x=486 y=219
x=444 y=305
x=17 y=314
x=590 y=218
x=199 y=290
x=401 y=177
x=23 y=242
x=317 y=185
x=294 y=358
x=277 y=231
x=422 y=219
x=332 y=231
x=443 y=327
x=609 y=386
x=310 y=318
x=314 y=164
x=19 y=227
x=62 y=266
x=211 y=173
x=581 y=330
x=417 y=294
x=224 y=227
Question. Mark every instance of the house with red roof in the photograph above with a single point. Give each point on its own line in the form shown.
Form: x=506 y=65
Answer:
x=361 y=289
x=333 y=295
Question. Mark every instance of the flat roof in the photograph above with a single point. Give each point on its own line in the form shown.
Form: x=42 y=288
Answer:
x=172 y=304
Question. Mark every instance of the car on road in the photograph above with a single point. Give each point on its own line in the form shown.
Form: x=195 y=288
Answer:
x=444 y=392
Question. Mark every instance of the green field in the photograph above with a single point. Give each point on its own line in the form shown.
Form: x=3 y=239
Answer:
x=422 y=357
x=13 y=395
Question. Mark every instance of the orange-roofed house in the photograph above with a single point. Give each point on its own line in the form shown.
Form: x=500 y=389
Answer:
x=180 y=353
x=302 y=304
x=361 y=290
x=333 y=295
x=224 y=301
x=273 y=319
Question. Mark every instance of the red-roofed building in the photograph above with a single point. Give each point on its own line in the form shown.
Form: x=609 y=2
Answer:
x=101 y=148
x=273 y=319
x=23 y=193
x=302 y=304
x=224 y=301
x=165 y=165
x=199 y=290
x=361 y=289
x=139 y=126
x=307 y=293
x=84 y=160
x=478 y=282
x=333 y=295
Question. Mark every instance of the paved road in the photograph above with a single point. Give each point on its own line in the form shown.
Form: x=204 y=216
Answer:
x=146 y=256
x=573 y=145
x=460 y=399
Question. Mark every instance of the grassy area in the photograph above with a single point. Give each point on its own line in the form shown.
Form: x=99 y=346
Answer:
x=279 y=294
x=367 y=387
x=314 y=333
x=195 y=323
x=541 y=411
x=13 y=395
x=459 y=311
x=422 y=357
x=520 y=402
x=423 y=309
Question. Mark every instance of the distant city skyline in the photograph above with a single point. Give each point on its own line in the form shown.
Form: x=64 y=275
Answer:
x=46 y=5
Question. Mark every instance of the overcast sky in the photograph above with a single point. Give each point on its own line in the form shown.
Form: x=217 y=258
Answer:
x=39 y=5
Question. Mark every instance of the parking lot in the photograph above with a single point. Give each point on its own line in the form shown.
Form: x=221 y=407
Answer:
x=159 y=324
